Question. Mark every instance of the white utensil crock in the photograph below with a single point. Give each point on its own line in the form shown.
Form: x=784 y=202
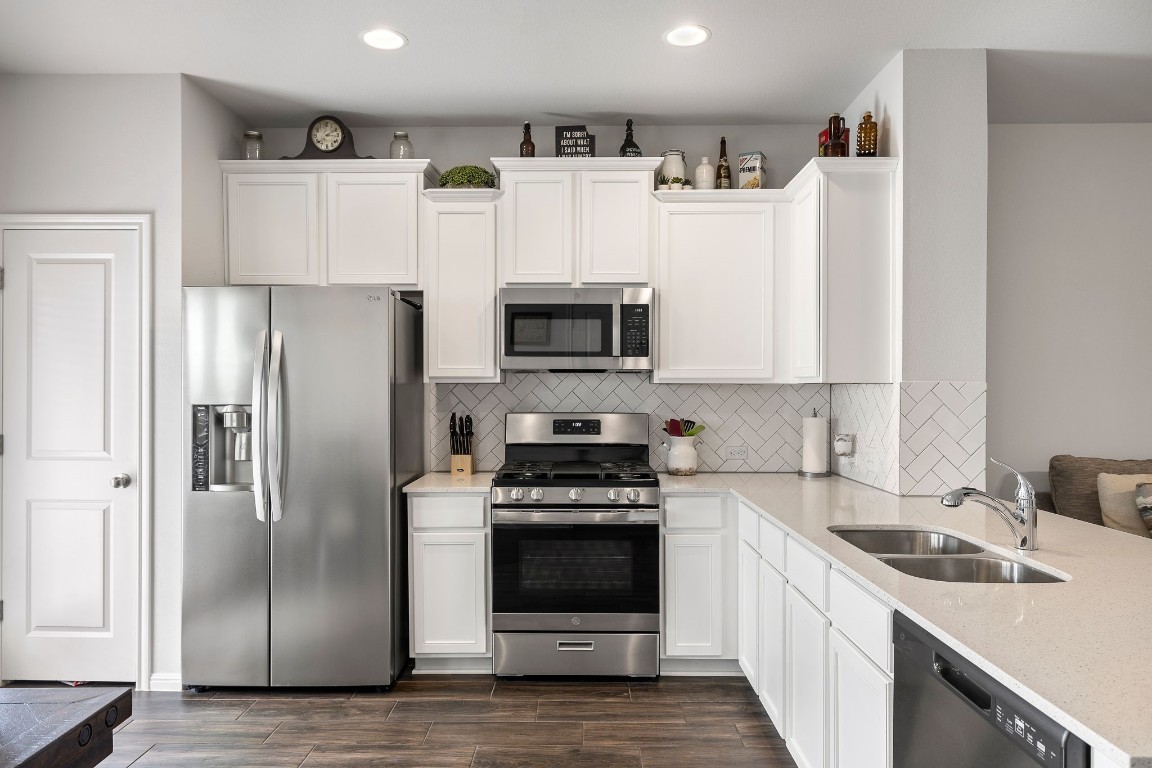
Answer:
x=682 y=457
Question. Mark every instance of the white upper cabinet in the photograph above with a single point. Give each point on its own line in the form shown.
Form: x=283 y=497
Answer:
x=320 y=222
x=575 y=220
x=715 y=292
x=458 y=250
x=841 y=266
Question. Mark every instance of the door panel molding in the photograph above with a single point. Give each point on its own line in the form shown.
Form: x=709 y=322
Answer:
x=141 y=225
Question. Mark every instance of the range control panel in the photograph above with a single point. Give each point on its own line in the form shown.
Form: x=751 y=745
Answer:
x=576 y=426
x=634 y=330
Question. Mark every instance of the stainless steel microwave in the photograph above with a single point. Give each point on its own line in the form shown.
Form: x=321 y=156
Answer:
x=576 y=329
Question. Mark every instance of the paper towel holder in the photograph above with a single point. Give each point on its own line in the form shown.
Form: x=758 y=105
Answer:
x=812 y=475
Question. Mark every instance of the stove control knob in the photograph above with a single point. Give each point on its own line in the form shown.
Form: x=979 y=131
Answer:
x=614 y=494
x=633 y=495
x=537 y=494
x=516 y=494
x=576 y=494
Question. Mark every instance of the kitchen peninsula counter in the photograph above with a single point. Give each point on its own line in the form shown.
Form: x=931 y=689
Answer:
x=1075 y=650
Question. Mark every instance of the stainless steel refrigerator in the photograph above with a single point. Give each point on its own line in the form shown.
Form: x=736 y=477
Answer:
x=303 y=421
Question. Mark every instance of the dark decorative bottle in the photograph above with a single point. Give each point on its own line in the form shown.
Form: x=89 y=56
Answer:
x=723 y=169
x=527 y=147
x=837 y=146
x=866 y=137
x=630 y=148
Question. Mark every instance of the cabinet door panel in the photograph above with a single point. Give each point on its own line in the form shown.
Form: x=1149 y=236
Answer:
x=716 y=271
x=860 y=710
x=807 y=672
x=772 y=645
x=614 y=221
x=273 y=228
x=372 y=228
x=748 y=613
x=805 y=270
x=449 y=603
x=458 y=241
x=538 y=238
x=694 y=600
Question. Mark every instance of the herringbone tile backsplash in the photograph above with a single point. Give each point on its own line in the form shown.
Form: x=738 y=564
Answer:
x=942 y=436
x=763 y=417
x=871 y=412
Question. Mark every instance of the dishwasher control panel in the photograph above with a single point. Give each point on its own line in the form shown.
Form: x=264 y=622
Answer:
x=1045 y=746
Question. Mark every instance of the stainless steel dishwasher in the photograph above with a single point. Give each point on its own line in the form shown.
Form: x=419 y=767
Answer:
x=950 y=714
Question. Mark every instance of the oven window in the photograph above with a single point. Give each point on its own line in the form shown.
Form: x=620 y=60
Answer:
x=546 y=568
x=558 y=330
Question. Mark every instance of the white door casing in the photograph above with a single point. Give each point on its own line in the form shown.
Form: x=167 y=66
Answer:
x=76 y=414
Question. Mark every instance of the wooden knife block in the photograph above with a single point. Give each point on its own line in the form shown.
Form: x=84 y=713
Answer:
x=461 y=464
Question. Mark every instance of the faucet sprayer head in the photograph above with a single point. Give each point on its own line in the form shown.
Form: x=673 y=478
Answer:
x=953 y=498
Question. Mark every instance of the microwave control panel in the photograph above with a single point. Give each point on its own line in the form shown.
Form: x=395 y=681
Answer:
x=634 y=330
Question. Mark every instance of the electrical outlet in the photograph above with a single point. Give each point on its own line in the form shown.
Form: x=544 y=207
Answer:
x=737 y=452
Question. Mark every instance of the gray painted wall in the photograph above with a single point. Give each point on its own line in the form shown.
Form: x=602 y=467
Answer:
x=1069 y=295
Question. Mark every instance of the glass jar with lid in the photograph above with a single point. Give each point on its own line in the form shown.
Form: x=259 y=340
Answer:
x=401 y=147
x=252 y=146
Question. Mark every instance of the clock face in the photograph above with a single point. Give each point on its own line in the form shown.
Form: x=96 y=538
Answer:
x=327 y=135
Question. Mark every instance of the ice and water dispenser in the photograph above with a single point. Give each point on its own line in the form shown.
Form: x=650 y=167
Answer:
x=221 y=448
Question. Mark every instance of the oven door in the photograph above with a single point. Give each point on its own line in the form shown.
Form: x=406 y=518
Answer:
x=565 y=329
x=575 y=577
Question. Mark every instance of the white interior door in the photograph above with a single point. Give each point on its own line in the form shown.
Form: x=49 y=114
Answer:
x=71 y=411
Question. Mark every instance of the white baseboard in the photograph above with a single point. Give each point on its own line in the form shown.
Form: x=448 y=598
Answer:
x=441 y=665
x=165 y=681
x=700 y=667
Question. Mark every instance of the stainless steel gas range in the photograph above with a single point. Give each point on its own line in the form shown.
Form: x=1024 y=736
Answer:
x=576 y=547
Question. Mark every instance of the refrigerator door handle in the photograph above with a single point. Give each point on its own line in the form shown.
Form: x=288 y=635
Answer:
x=275 y=427
x=259 y=469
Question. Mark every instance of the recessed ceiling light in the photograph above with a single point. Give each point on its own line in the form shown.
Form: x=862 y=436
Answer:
x=689 y=34
x=385 y=39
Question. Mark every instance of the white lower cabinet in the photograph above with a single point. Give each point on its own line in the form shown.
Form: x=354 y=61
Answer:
x=859 y=708
x=773 y=657
x=748 y=616
x=807 y=651
x=448 y=575
x=694 y=598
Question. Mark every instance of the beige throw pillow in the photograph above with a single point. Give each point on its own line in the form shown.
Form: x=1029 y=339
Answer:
x=1118 y=502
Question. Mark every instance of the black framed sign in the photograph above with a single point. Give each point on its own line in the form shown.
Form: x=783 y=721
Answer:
x=574 y=141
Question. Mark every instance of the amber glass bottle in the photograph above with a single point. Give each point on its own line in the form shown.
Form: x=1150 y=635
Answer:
x=723 y=169
x=866 y=137
x=837 y=147
x=527 y=148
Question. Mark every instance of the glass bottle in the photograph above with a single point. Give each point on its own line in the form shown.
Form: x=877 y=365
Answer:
x=723 y=170
x=837 y=147
x=527 y=147
x=630 y=148
x=401 y=147
x=866 y=137
x=253 y=145
x=705 y=175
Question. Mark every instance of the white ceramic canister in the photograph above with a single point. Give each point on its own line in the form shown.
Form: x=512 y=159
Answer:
x=682 y=456
x=673 y=165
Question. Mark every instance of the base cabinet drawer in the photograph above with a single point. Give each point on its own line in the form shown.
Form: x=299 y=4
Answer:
x=542 y=653
x=861 y=618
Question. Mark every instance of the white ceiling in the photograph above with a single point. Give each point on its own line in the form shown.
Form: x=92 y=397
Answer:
x=498 y=62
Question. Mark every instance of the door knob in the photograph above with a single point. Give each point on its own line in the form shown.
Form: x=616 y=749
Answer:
x=121 y=481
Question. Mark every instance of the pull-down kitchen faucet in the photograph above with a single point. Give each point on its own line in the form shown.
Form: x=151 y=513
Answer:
x=1021 y=521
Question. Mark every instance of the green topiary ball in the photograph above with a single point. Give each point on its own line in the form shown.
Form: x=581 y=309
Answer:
x=467 y=176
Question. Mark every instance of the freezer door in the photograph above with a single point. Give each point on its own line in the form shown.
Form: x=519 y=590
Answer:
x=330 y=567
x=225 y=546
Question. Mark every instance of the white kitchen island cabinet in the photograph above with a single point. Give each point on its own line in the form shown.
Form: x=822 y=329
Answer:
x=716 y=277
x=575 y=221
x=458 y=251
x=448 y=575
x=324 y=222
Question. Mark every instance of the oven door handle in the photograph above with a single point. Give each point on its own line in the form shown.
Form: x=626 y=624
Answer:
x=576 y=516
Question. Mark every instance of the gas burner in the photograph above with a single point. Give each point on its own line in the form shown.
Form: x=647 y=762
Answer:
x=525 y=470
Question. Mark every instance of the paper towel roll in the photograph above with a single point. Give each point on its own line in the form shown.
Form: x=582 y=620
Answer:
x=815 y=454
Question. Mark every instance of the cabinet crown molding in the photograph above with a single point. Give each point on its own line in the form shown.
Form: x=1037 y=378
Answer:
x=826 y=165
x=332 y=166
x=576 y=163
x=721 y=196
x=462 y=195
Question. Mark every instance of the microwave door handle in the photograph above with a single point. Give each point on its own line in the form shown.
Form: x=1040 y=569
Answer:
x=616 y=329
x=259 y=381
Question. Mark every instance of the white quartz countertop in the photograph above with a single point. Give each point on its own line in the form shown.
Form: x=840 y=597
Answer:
x=1075 y=650
x=446 y=482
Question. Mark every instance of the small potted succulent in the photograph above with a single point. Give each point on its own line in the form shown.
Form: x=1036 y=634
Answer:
x=468 y=176
x=675 y=183
x=662 y=182
x=687 y=183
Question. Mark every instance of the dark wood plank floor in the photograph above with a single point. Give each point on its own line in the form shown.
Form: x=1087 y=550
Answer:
x=458 y=722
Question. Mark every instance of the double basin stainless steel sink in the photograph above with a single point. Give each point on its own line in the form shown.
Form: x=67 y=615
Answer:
x=940 y=556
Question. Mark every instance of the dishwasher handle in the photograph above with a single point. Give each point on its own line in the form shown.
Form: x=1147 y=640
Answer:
x=962 y=684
